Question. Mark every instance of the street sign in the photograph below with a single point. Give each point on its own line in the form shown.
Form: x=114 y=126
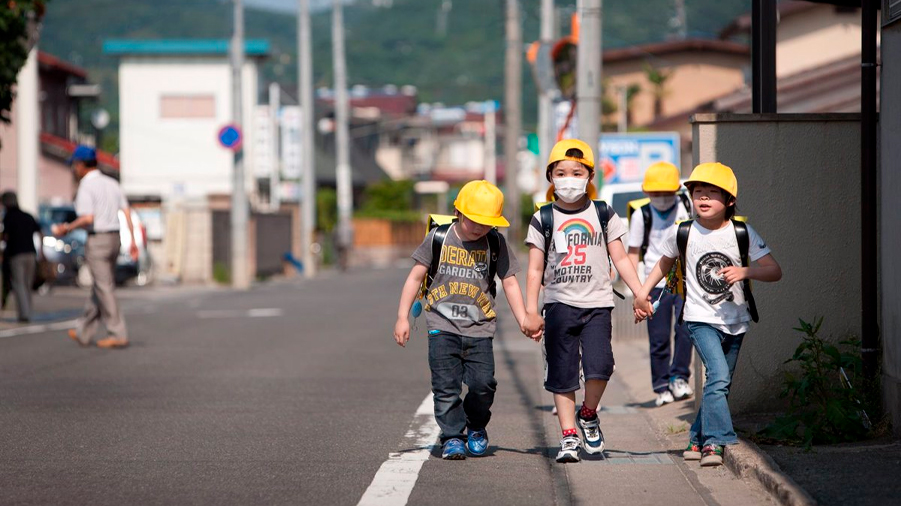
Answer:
x=230 y=137
x=625 y=157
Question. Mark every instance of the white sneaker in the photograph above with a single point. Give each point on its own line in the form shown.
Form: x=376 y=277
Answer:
x=569 y=449
x=680 y=389
x=664 y=397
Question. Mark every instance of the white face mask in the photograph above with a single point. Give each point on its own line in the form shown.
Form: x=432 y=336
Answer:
x=570 y=189
x=663 y=203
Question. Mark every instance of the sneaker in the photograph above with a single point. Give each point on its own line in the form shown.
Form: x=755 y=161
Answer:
x=569 y=449
x=453 y=450
x=692 y=452
x=591 y=431
x=712 y=455
x=680 y=389
x=477 y=442
x=664 y=397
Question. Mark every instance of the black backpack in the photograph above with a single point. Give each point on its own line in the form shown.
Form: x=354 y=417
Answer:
x=648 y=216
x=744 y=242
x=494 y=245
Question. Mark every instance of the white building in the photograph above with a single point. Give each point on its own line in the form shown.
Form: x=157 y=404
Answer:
x=174 y=97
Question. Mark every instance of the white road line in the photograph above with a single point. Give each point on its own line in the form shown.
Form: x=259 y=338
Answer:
x=395 y=480
x=264 y=312
x=37 y=329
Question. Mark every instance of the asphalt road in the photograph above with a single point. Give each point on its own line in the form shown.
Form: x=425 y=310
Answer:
x=291 y=393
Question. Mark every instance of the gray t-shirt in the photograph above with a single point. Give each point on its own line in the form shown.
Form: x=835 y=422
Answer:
x=578 y=270
x=458 y=300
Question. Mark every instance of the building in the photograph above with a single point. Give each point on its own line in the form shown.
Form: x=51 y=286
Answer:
x=36 y=166
x=174 y=97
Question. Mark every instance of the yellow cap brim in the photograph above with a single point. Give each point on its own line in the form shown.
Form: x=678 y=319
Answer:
x=491 y=221
x=659 y=188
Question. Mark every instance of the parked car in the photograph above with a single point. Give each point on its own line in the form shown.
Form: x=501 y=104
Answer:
x=67 y=253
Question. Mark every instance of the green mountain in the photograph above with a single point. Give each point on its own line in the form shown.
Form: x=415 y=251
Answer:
x=401 y=44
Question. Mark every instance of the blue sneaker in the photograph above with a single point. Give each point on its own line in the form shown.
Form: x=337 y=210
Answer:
x=453 y=450
x=591 y=430
x=477 y=443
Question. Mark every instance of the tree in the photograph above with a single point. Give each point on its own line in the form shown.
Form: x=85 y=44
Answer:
x=658 y=79
x=19 y=28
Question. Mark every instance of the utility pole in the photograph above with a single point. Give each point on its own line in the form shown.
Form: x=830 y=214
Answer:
x=307 y=150
x=512 y=116
x=274 y=176
x=588 y=75
x=240 y=271
x=28 y=141
x=546 y=132
x=490 y=143
x=342 y=136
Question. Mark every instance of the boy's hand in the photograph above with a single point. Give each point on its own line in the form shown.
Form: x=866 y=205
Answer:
x=533 y=326
x=642 y=306
x=402 y=331
x=734 y=274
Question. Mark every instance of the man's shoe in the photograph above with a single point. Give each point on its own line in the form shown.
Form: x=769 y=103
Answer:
x=477 y=442
x=664 y=397
x=569 y=449
x=591 y=431
x=73 y=335
x=712 y=455
x=692 y=452
x=680 y=389
x=112 y=342
x=453 y=450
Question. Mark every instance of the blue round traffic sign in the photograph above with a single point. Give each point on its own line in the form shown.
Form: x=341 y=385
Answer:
x=230 y=137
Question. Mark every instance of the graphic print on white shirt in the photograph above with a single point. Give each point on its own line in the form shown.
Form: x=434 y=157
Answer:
x=709 y=298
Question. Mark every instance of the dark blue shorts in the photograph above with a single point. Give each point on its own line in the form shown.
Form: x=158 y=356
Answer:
x=572 y=334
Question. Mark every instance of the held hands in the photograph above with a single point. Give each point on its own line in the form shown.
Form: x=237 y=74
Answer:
x=642 y=306
x=533 y=326
x=402 y=332
x=135 y=254
x=59 y=229
x=734 y=274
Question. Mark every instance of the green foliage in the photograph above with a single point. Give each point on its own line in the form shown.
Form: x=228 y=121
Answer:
x=398 y=46
x=326 y=209
x=15 y=23
x=823 y=408
x=390 y=200
x=221 y=273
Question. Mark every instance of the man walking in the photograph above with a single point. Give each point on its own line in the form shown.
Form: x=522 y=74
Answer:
x=19 y=228
x=97 y=205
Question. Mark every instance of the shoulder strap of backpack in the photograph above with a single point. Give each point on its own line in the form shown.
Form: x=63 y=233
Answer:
x=494 y=248
x=682 y=242
x=546 y=213
x=437 y=245
x=604 y=217
x=686 y=202
x=744 y=243
x=647 y=215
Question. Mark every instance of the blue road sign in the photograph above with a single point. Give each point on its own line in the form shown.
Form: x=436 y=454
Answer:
x=230 y=137
x=625 y=157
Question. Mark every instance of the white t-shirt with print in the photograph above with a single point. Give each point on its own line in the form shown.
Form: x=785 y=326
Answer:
x=660 y=224
x=578 y=269
x=709 y=299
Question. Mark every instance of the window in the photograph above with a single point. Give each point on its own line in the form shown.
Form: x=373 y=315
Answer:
x=187 y=106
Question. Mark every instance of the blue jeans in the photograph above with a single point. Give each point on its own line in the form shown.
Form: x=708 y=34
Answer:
x=455 y=360
x=719 y=353
x=663 y=369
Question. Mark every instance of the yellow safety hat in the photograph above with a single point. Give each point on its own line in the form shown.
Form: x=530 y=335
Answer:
x=716 y=174
x=482 y=202
x=592 y=191
x=661 y=177
x=559 y=154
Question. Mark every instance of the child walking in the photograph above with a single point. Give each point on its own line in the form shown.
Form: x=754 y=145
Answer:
x=715 y=253
x=569 y=243
x=648 y=226
x=460 y=313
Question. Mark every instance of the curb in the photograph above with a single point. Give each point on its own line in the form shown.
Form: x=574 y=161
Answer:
x=747 y=460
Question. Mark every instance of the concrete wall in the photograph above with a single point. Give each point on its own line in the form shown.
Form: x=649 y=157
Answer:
x=799 y=184
x=890 y=218
x=166 y=157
